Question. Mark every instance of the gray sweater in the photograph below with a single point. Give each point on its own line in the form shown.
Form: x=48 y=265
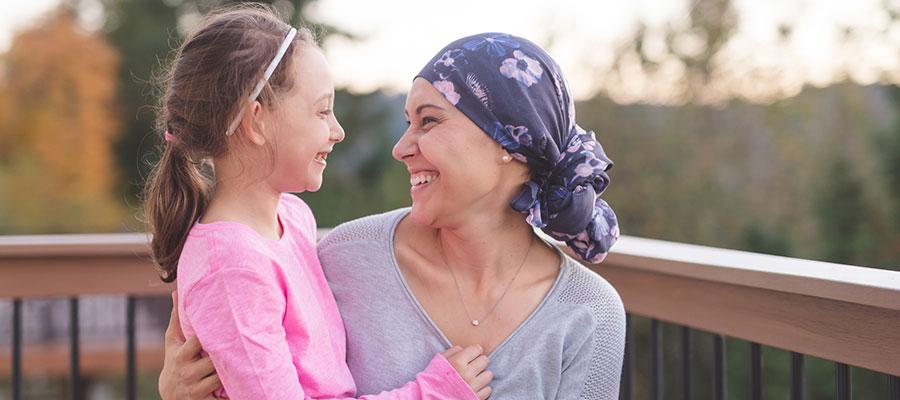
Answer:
x=569 y=348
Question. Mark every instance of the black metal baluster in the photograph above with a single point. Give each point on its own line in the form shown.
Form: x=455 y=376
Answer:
x=719 y=367
x=656 y=359
x=893 y=387
x=842 y=381
x=797 y=378
x=756 y=371
x=686 y=361
x=74 y=368
x=628 y=362
x=17 y=350
x=131 y=384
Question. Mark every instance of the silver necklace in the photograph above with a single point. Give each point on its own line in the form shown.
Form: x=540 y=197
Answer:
x=477 y=321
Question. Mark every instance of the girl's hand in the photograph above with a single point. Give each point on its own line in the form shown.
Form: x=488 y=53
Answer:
x=186 y=374
x=471 y=364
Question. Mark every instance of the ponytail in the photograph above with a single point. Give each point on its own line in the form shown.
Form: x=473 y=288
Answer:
x=177 y=195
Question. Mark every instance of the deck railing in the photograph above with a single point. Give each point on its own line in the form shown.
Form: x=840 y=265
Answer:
x=849 y=315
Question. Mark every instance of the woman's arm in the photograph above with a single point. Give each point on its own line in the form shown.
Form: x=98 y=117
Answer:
x=183 y=357
x=595 y=370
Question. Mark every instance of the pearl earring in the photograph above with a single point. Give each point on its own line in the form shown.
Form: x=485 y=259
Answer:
x=506 y=158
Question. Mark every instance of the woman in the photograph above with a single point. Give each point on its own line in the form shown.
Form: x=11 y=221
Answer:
x=492 y=136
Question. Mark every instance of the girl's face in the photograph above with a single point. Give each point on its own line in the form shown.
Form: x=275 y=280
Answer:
x=455 y=168
x=303 y=126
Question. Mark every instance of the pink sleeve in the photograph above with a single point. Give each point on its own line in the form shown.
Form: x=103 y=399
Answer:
x=438 y=381
x=237 y=313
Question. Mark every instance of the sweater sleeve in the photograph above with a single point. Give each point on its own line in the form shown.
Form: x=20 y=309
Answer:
x=595 y=369
x=607 y=351
x=237 y=316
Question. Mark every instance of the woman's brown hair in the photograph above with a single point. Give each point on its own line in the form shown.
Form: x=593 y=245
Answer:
x=203 y=89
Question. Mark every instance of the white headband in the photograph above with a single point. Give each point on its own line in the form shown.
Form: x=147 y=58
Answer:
x=265 y=78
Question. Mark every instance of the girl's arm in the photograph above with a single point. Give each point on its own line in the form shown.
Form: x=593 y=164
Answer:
x=237 y=314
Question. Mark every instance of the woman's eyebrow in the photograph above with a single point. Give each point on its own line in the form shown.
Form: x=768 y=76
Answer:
x=423 y=106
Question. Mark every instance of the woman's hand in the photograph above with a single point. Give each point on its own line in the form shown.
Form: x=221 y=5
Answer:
x=471 y=364
x=186 y=374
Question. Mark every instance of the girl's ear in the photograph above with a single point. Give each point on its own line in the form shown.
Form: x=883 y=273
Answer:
x=253 y=125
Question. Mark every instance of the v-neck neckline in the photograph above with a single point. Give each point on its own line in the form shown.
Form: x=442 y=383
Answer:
x=563 y=270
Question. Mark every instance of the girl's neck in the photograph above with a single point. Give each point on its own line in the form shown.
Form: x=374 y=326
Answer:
x=252 y=204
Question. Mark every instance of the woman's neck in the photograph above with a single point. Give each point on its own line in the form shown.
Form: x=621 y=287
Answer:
x=484 y=249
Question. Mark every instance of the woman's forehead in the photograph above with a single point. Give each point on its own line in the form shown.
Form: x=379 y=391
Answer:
x=422 y=92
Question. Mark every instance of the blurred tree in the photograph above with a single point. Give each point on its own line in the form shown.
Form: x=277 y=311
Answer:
x=750 y=176
x=143 y=32
x=759 y=240
x=887 y=151
x=841 y=215
x=61 y=116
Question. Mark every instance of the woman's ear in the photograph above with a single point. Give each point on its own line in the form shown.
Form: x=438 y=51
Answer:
x=505 y=158
x=253 y=125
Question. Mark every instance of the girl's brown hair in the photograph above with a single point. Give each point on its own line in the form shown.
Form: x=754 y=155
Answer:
x=203 y=89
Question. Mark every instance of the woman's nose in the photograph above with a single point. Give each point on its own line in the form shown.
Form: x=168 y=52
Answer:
x=406 y=146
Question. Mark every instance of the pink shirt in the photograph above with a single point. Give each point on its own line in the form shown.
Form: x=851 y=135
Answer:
x=268 y=320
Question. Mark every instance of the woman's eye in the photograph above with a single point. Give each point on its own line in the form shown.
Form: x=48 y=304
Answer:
x=428 y=120
x=326 y=112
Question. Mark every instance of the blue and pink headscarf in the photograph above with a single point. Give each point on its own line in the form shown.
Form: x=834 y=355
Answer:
x=516 y=93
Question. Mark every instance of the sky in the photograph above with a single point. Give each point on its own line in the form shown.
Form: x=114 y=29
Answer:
x=19 y=15
x=398 y=36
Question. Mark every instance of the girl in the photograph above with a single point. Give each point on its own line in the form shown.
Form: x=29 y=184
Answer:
x=255 y=96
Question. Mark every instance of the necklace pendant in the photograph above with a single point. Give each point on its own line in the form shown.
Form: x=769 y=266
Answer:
x=475 y=322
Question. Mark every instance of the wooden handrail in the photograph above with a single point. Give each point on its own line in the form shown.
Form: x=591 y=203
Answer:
x=75 y=265
x=838 y=312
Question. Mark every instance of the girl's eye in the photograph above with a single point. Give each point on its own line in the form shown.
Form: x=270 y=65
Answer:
x=326 y=112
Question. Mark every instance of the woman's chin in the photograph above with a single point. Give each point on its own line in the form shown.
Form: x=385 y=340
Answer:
x=420 y=215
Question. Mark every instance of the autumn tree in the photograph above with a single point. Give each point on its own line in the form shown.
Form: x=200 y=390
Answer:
x=57 y=132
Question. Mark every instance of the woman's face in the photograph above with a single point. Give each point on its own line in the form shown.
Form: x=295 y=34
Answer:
x=303 y=125
x=456 y=170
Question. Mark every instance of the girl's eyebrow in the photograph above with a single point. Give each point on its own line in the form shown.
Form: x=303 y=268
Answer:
x=325 y=96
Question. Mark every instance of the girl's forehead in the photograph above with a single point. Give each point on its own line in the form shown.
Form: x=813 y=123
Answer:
x=313 y=76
